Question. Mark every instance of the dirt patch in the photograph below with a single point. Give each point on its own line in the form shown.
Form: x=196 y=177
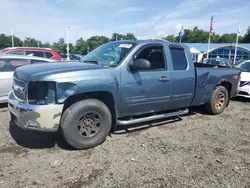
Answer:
x=84 y=181
x=14 y=149
x=197 y=150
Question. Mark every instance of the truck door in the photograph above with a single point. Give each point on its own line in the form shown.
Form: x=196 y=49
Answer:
x=146 y=91
x=182 y=75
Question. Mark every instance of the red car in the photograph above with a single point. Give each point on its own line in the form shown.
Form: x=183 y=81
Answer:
x=33 y=51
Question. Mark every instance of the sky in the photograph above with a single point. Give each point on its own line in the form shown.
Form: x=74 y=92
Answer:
x=47 y=20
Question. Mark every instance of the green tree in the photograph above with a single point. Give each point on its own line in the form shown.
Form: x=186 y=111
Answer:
x=95 y=41
x=81 y=47
x=246 y=38
x=6 y=41
x=46 y=45
x=171 y=38
x=130 y=36
x=30 y=42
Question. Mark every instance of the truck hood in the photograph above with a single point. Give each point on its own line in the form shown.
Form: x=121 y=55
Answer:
x=43 y=69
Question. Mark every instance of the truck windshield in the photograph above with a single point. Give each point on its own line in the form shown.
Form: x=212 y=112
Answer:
x=109 y=54
x=244 y=66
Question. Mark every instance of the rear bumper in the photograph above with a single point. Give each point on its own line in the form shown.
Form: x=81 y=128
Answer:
x=44 y=118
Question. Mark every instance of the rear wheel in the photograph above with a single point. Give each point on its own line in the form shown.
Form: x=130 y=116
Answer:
x=218 y=101
x=86 y=124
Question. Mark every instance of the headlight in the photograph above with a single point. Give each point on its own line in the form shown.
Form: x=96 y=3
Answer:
x=41 y=93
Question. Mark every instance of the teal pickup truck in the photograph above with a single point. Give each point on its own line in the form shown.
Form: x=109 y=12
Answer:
x=118 y=83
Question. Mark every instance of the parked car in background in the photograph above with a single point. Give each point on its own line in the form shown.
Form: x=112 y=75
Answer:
x=120 y=82
x=239 y=61
x=33 y=51
x=218 y=62
x=72 y=57
x=244 y=87
x=8 y=64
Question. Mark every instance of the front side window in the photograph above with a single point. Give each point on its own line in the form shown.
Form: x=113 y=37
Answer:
x=10 y=65
x=109 y=54
x=16 y=52
x=155 y=55
x=178 y=58
x=35 y=53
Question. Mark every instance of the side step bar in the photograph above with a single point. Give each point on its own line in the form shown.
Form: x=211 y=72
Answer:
x=151 y=118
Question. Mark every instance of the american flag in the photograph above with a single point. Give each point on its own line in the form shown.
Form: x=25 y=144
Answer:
x=211 y=26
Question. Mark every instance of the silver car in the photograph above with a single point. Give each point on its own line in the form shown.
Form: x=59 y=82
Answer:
x=8 y=65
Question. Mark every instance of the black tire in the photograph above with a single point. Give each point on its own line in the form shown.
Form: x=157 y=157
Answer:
x=77 y=126
x=215 y=105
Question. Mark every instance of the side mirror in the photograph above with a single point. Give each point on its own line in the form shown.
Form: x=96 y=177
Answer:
x=140 y=64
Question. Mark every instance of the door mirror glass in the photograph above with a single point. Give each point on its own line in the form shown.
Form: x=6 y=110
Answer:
x=140 y=64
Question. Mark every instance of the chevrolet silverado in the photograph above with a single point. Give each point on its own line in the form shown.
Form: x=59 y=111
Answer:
x=118 y=83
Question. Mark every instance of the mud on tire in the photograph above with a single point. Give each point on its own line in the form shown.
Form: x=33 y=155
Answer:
x=86 y=123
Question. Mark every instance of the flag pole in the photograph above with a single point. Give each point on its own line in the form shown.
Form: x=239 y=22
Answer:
x=210 y=33
x=208 y=45
x=181 y=34
x=236 y=45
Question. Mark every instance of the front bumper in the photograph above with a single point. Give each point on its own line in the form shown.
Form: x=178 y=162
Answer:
x=244 y=91
x=44 y=118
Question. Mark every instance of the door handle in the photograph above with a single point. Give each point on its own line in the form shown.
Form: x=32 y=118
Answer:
x=163 y=79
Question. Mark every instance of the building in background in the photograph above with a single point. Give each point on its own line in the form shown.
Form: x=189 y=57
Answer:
x=222 y=50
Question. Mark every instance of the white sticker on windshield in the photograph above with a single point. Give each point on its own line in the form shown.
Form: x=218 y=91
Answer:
x=125 y=45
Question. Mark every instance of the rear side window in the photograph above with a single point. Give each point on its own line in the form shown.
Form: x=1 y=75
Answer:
x=48 y=54
x=179 y=58
x=10 y=65
x=16 y=52
x=35 y=53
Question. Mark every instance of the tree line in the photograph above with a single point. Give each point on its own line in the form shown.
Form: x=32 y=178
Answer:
x=82 y=46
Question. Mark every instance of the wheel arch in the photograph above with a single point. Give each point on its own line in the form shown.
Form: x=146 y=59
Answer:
x=105 y=96
x=228 y=85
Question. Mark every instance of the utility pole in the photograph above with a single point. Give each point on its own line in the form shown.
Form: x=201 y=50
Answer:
x=12 y=37
x=68 y=43
x=236 y=45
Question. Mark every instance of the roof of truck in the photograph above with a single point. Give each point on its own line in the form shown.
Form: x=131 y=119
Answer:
x=146 y=41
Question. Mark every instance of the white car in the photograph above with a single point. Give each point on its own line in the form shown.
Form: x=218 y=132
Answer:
x=8 y=64
x=244 y=87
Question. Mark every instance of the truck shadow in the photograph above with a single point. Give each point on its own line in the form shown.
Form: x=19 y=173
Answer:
x=37 y=140
x=122 y=129
x=43 y=140
x=242 y=99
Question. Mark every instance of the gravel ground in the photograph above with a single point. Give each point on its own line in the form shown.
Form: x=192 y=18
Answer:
x=197 y=150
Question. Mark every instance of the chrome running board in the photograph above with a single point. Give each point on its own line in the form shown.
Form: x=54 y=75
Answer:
x=151 y=118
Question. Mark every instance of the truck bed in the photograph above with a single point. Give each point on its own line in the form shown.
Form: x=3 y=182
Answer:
x=210 y=66
x=208 y=76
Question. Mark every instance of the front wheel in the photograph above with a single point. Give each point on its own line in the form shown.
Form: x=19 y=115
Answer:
x=218 y=101
x=86 y=124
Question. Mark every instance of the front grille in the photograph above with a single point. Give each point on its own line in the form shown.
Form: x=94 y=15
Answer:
x=19 y=87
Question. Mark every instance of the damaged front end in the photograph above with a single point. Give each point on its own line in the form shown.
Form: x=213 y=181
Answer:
x=33 y=105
